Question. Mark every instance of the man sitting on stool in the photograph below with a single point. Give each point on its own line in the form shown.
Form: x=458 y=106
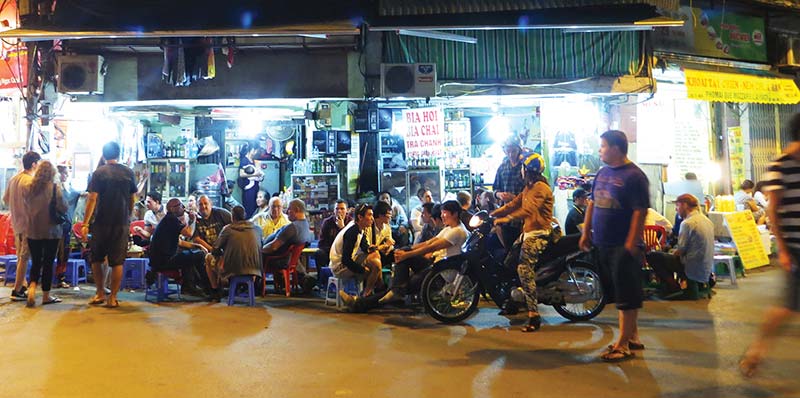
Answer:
x=351 y=254
x=164 y=253
x=694 y=254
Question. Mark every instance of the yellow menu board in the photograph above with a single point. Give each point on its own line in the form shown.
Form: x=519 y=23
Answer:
x=745 y=235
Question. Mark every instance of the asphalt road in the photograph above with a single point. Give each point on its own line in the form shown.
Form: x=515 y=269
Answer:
x=300 y=348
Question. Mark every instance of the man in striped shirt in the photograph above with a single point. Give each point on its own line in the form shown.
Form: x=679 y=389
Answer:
x=782 y=184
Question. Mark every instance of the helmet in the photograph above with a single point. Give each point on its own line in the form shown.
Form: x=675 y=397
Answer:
x=533 y=163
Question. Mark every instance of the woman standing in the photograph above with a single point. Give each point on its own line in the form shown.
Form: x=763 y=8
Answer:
x=43 y=233
x=534 y=206
x=249 y=177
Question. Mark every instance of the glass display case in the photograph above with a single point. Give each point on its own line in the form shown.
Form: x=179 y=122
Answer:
x=456 y=173
x=170 y=177
x=318 y=191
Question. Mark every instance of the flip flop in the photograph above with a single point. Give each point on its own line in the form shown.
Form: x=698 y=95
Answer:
x=97 y=300
x=113 y=304
x=53 y=300
x=631 y=346
x=749 y=365
x=617 y=355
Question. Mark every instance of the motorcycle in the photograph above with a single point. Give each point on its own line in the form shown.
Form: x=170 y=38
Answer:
x=566 y=279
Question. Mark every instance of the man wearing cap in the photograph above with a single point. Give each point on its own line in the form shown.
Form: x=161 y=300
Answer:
x=574 y=220
x=694 y=253
x=508 y=184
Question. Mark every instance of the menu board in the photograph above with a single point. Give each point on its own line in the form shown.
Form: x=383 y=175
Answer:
x=736 y=155
x=424 y=138
x=745 y=235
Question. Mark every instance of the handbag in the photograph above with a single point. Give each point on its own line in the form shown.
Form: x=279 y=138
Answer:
x=56 y=216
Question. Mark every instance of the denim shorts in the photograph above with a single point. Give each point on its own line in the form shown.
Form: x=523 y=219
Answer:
x=626 y=276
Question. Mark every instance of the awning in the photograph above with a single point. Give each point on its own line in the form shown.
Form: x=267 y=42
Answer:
x=310 y=30
x=433 y=7
x=733 y=87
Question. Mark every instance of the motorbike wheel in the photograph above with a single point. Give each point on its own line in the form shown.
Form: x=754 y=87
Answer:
x=441 y=302
x=586 y=276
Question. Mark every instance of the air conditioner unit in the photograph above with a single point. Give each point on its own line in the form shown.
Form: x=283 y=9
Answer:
x=408 y=80
x=789 y=51
x=80 y=74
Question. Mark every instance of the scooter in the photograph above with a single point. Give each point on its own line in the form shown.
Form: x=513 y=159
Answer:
x=566 y=279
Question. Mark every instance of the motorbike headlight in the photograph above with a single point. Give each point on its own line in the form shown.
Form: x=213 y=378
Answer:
x=478 y=219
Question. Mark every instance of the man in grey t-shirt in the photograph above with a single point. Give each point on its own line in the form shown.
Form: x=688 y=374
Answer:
x=298 y=232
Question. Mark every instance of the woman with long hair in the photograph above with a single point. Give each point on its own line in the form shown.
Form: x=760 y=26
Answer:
x=534 y=206
x=43 y=232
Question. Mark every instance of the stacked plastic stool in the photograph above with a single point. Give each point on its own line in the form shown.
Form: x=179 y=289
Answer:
x=250 y=296
x=349 y=285
x=162 y=290
x=133 y=271
x=729 y=261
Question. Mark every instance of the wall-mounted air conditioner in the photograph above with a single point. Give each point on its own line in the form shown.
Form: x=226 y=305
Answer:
x=408 y=80
x=81 y=74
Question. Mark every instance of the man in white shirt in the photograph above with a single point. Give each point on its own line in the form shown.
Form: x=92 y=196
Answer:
x=155 y=212
x=446 y=244
x=13 y=198
x=351 y=254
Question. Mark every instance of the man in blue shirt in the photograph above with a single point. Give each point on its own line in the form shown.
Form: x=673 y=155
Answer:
x=694 y=253
x=614 y=223
x=508 y=184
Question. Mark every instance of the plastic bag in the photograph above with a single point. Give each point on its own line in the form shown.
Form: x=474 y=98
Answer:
x=209 y=146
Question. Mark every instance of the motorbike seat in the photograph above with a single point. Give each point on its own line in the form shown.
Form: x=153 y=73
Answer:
x=566 y=245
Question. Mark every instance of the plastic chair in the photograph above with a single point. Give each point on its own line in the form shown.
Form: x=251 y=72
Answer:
x=655 y=237
x=237 y=280
x=290 y=276
x=5 y=223
x=140 y=224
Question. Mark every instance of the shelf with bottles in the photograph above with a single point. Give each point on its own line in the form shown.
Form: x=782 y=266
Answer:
x=457 y=180
x=424 y=161
x=170 y=177
x=315 y=166
x=318 y=191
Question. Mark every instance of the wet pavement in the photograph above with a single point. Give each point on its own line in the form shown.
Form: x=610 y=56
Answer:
x=300 y=348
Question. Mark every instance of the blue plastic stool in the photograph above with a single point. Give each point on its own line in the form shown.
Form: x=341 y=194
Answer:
x=237 y=280
x=74 y=267
x=11 y=271
x=4 y=261
x=75 y=255
x=162 y=289
x=133 y=271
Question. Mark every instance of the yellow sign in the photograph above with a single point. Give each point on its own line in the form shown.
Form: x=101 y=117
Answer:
x=747 y=239
x=732 y=87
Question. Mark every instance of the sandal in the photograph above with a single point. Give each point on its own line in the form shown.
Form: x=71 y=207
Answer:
x=96 y=300
x=748 y=365
x=631 y=346
x=617 y=355
x=113 y=304
x=52 y=300
x=534 y=324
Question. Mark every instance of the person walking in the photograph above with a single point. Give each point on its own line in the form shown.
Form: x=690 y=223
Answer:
x=534 y=206
x=43 y=232
x=614 y=223
x=782 y=186
x=14 y=199
x=112 y=194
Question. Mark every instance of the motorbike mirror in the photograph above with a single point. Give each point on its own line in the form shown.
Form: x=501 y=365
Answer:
x=478 y=219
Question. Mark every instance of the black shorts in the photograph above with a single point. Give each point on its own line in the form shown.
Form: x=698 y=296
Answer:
x=109 y=241
x=626 y=276
x=792 y=294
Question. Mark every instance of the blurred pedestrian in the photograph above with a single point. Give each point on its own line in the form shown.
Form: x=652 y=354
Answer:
x=14 y=199
x=782 y=186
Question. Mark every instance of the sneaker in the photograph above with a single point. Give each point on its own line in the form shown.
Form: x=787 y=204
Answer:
x=18 y=295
